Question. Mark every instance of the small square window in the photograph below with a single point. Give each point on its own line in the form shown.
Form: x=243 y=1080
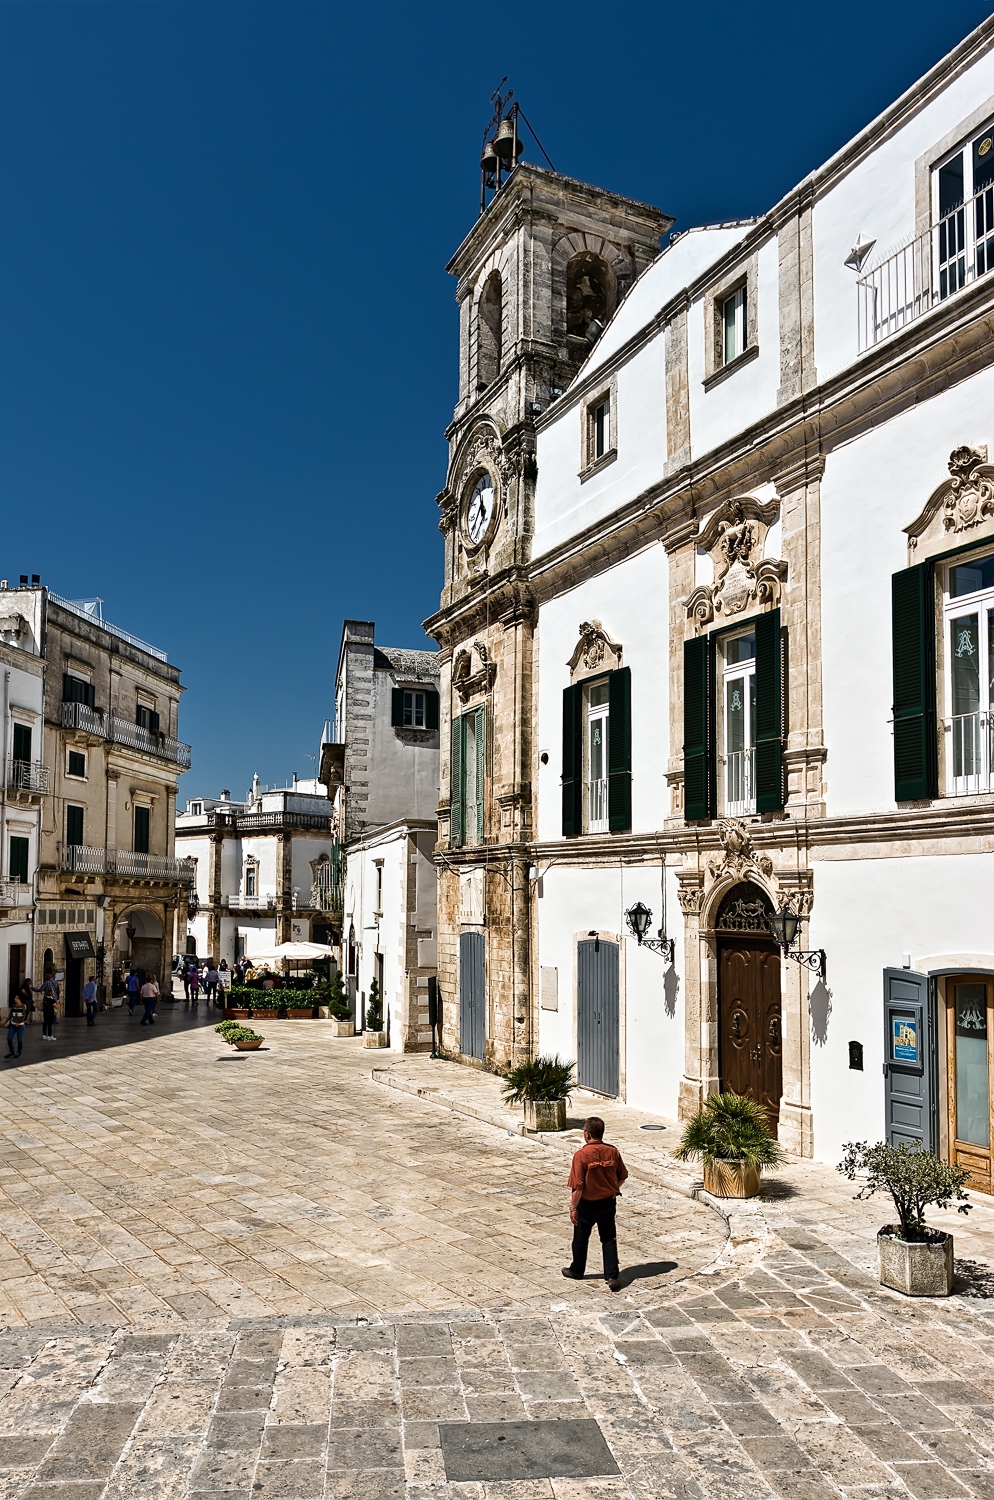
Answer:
x=735 y=330
x=77 y=764
x=414 y=710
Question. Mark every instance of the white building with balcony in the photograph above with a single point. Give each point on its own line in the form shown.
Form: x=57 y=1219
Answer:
x=26 y=781
x=264 y=869
x=761 y=565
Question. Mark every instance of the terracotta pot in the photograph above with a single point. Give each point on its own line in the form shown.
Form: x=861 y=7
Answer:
x=374 y=1039
x=343 y=1028
x=300 y=1014
x=731 y=1179
x=545 y=1114
x=249 y=1046
x=917 y=1270
x=233 y=1013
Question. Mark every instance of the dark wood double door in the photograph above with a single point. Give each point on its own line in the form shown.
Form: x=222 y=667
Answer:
x=750 y=1045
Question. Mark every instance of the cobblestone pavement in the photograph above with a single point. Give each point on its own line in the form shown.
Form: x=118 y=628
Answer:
x=272 y=1277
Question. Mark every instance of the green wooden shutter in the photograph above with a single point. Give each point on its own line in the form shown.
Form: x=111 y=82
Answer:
x=913 y=625
x=431 y=710
x=699 y=791
x=74 y=825
x=572 y=761
x=769 y=715
x=481 y=766
x=455 y=785
x=619 y=750
x=397 y=708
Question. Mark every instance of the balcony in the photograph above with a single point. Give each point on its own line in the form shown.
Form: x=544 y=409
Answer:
x=970 y=753
x=270 y=822
x=327 y=897
x=118 y=731
x=86 y=859
x=740 y=783
x=932 y=267
x=251 y=903
x=13 y=893
x=27 y=776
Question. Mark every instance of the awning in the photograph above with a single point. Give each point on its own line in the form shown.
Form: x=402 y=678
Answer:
x=79 y=945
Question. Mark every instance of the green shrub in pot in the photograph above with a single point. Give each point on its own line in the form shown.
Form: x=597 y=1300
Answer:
x=914 y=1258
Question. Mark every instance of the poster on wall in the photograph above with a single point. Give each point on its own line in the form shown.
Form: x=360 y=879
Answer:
x=905 y=1039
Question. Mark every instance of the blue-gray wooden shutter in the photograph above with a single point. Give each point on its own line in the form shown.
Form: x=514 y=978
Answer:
x=456 y=785
x=916 y=774
x=619 y=750
x=397 y=708
x=699 y=788
x=769 y=714
x=572 y=761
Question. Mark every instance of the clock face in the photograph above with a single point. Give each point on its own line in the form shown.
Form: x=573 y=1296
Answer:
x=480 y=508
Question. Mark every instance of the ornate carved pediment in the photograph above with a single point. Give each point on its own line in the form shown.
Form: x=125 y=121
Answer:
x=595 y=652
x=738 y=858
x=962 y=503
x=743 y=578
x=467 y=682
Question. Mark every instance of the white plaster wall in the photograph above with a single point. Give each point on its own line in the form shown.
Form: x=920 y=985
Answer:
x=384 y=934
x=870 y=491
x=572 y=902
x=750 y=392
x=867 y=915
x=877 y=199
x=630 y=601
x=304 y=851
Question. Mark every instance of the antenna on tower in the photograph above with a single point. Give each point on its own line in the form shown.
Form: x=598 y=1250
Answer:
x=502 y=144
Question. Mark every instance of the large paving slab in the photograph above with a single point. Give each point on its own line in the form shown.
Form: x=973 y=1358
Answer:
x=278 y=1238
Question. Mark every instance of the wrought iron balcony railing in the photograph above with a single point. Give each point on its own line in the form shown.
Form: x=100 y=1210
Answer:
x=27 y=776
x=125 y=732
x=87 y=859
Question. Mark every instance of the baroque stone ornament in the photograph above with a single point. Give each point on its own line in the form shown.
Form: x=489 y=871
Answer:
x=594 y=652
x=735 y=537
x=468 y=683
x=964 y=501
x=738 y=858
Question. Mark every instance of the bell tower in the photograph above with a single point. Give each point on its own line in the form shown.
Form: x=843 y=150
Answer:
x=542 y=271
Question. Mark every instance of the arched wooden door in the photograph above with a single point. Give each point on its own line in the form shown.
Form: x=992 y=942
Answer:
x=750 y=1046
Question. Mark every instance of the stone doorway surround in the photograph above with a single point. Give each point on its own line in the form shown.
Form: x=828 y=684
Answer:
x=703 y=882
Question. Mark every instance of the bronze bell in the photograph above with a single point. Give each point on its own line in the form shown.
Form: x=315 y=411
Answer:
x=503 y=142
x=488 y=161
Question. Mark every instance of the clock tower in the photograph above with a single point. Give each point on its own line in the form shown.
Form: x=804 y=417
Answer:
x=540 y=274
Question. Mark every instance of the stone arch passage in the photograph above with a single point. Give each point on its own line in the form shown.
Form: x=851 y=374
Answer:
x=490 y=330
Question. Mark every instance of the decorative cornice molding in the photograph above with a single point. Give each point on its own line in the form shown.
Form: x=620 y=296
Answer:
x=594 y=651
x=735 y=536
x=965 y=500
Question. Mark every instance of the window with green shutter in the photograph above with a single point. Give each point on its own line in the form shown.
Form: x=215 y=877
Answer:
x=769 y=713
x=699 y=761
x=141 y=830
x=74 y=825
x=455 y=785
x=19 y=860
x=467 y=775
x=619 y=750
x=573 y=761
x=913 y=628
x=597 y=755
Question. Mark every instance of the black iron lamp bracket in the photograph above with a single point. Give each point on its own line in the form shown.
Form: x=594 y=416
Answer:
x=813 y=960
x=665 y=946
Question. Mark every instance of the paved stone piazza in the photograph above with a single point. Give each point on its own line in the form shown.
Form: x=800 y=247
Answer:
x=268 y=1274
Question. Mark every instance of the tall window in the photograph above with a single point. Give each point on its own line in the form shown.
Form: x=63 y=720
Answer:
x=74 y=825
x=490 y=330
x=963 y=205
x=77 y=690
x=733 y=320
x=467 y=777
x=596 y=756
x=141 y=829
x=969 y=611
x=22 y=745
x=147 y=718
x=76 y=764
x=251 y=878
x=739 y=699
x=19 y=860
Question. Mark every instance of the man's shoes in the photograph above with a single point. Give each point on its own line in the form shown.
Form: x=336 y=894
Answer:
x=570 y=1274
x=615 y=1284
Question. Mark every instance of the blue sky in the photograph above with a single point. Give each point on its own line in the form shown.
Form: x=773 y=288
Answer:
x=227 y=339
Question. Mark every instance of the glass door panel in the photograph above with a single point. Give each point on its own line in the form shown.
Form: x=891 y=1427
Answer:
x=972 y=1065
x=964 y=658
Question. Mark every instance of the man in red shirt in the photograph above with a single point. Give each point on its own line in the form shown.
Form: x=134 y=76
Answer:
x=595 y=1178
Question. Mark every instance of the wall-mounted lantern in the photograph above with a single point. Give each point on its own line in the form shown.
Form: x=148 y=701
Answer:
x=783 y=925
x=638 y=918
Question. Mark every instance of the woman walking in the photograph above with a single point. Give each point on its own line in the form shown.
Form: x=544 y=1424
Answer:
x=49 y=1006
x=194 y=984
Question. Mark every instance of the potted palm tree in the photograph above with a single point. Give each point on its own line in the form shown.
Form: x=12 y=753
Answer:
x=543 y=1085
x=342 y=1023
x=914 y=1258
x=374 y=1035
x=730 y=1135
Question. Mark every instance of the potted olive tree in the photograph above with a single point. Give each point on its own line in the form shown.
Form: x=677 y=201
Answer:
x=543 y=1085
x=914 y=1259
x=374 y=1035
x=730 y=1135
x=339 y=1009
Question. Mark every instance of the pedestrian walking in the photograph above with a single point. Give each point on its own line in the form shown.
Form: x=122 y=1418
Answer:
x=17 y=1015
x=90 y=1001
x=213 y=980
x=194 y=984
x=49 y=1009
x=150 y=999
x=133 y=986
x=595 y=1179
x=185 y=971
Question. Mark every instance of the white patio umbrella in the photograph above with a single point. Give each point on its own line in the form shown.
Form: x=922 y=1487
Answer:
x=292 y=952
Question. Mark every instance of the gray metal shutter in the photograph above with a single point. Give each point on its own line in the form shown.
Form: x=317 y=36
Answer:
x=597 y=1010
x=472 y=995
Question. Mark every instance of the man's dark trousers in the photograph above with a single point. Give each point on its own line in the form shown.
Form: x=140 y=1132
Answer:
x=599 y=1211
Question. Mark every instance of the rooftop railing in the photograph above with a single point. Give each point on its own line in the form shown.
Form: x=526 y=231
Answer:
x=86 y=611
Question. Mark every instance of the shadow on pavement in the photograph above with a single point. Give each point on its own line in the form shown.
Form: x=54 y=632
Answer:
x=648 y=1269
x=113 y=1028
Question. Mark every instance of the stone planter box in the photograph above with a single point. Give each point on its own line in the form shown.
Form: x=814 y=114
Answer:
x=917 y=1270
x=343 y=1028
x=233 y=1013
x=545 y=1114
x=374 y=1039
x=731 y=1179
x=300 y=1014
x=268 y=1011
x=249 y=1046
